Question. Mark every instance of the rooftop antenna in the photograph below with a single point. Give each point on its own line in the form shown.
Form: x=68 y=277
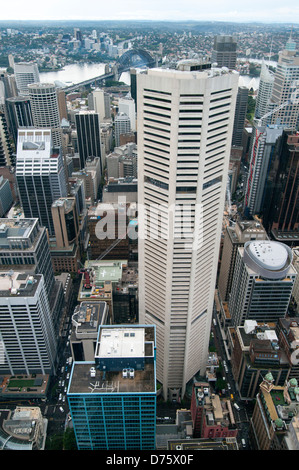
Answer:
x=291 y=32
x=270 y=53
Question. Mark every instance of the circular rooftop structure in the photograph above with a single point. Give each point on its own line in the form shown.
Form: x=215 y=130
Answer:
x=270 y=255
x=268 y=258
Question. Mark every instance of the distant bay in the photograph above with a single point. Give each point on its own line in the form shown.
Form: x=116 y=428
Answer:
x=76 y=73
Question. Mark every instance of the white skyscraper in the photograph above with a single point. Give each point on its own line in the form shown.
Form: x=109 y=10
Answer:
x=262 y=283
x=127 y=105
x=98 y=96
x=285 y=88
x=40 y=175
x=28 y=343
x=264 y=92
x=185 y=122
x=25 y=74
x=122 y=126
x=45 y=109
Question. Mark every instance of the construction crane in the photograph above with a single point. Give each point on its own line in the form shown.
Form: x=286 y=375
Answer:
x=113 y=245
x=87 y=273
x=294 y=98
x=286 y=103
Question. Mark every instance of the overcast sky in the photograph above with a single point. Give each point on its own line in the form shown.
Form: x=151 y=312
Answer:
x=201 y=10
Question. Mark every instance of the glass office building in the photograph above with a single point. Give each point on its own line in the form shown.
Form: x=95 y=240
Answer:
x=112 y=399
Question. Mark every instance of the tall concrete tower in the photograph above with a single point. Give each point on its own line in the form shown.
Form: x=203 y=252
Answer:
x=40 y=175
x=264 y=92
x=45 y=109
x=25 y=74
x=185 y=122
x=263 y=282
x=224 y=51
x=264 y=146
x=89 y=136
x=286 y=87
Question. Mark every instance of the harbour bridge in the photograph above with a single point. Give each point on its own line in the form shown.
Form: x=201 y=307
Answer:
x=130 y=58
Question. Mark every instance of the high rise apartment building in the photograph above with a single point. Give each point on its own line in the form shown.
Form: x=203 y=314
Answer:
x=24 y=243
x=6 y=152
x=25 y=74
x=122 y=126
x=101 y=104
x=127 y=105
x=281 y=208
x=264 y=93
x=61 y=99
x=64 y=247
x=263 y=282
x=240 y=116
x=224 y=52
x=19 y=114
x=265 y=144
x=89 y=136
x=243 y=231
x=45 y=109
x=28 y=343
x=285 y=88
x=185 y=122
x=98 y=103
x=40 y=175
x=8 y=85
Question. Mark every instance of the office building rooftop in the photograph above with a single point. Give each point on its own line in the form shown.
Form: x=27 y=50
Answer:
x=272 y=260
x=124 y=362
x=121 y=342
x=88 y=317
x=18 y=284
x=110 y=382
x=12 y=230
x=97 y=277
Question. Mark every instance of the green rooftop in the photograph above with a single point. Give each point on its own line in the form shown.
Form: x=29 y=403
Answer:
x=278 y=398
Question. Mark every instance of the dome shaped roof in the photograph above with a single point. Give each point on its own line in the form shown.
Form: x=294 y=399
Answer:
x=269 y=377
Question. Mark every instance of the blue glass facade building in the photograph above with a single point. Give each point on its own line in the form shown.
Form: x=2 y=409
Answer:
x=113 y=399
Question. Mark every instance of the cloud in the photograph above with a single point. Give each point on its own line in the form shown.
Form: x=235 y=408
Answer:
x=173 y=10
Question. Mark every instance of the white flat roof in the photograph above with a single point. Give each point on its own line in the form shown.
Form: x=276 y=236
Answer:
x=121 y=342
x=268 y=254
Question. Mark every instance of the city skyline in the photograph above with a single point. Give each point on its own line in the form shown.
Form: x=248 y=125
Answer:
x=149 y=233
x=231 y=11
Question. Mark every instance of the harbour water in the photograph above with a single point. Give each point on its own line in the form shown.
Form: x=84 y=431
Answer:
x=75 y=73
